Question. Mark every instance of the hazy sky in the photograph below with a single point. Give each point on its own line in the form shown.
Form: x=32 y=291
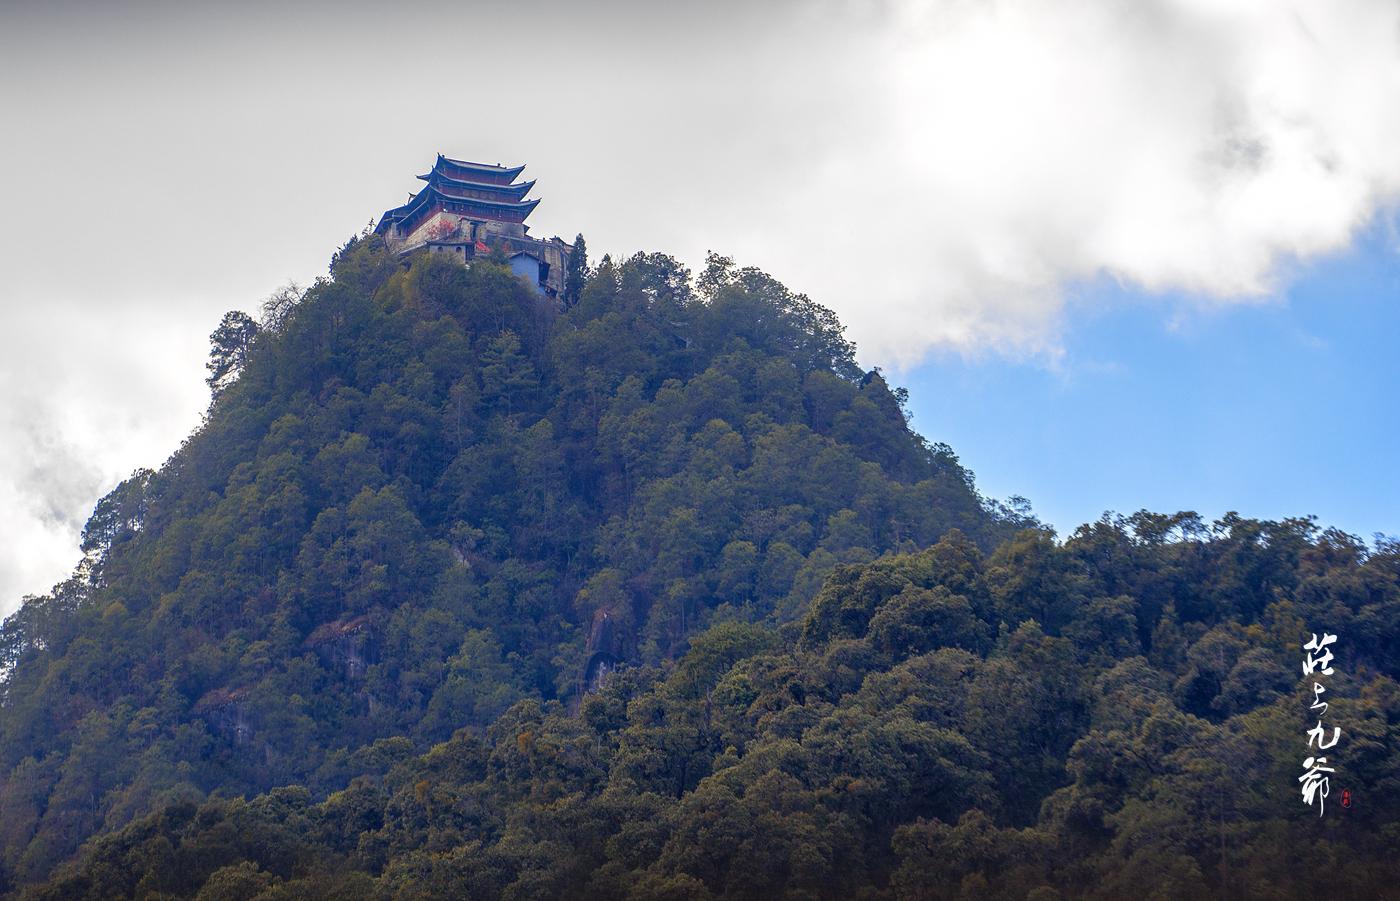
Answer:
x=1123 y=254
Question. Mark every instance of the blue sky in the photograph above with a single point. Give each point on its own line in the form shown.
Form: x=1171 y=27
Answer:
x=1286 y=407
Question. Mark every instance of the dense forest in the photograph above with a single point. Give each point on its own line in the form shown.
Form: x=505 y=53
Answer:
x=461 y=592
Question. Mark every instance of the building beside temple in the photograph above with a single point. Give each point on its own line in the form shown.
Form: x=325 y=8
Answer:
x=468 y=208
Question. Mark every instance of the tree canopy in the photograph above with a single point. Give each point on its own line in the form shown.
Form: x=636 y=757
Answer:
x=457 y=593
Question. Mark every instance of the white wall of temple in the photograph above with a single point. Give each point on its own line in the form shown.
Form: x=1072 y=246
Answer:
x=452 y=227
x=435 y=228
x=558 y=260
x=445 y=226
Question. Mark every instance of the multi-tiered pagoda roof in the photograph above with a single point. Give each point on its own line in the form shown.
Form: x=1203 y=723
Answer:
x=472 y=190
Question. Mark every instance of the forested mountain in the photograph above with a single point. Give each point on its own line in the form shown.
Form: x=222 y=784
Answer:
x=418 y=489
x=461 y=595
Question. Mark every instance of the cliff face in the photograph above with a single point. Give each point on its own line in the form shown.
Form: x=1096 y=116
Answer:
x=407 y=510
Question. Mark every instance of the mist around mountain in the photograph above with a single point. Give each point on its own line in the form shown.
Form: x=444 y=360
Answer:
x=458 y=593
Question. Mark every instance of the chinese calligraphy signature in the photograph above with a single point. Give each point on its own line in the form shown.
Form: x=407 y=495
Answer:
x=1316 y=662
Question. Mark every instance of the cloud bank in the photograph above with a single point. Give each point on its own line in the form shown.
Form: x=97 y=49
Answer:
x=1006 y=151
x=944 y=174
x=76 y=418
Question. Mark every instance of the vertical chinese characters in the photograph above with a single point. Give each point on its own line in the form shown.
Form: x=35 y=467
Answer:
x=1317 y=662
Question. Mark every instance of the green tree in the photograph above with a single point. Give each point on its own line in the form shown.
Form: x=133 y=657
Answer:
x=507 y=376
x=576 y=274
x=228 y=352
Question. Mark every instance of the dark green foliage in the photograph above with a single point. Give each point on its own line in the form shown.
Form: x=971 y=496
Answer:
x=852 y=764
x=577 y=274
x=229 y=349
x=418 y=487
x=337 y=646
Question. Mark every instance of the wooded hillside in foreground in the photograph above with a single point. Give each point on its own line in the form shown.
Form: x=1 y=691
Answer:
x=339 y=646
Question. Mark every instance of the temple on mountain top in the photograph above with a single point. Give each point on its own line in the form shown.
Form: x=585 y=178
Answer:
x=468 y=208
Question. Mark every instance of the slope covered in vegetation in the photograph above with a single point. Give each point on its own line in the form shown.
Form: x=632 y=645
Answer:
x=424 y=495
x=1138 y=734
x=458 y=595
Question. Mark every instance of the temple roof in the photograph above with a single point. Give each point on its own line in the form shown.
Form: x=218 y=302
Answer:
x=431 y=195
x=451 y=182
x=517 y=191
x=496 y=174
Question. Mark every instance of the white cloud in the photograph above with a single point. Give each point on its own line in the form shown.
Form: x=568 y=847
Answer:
x=940 y=173
x=77 y=415
x=1023 y=146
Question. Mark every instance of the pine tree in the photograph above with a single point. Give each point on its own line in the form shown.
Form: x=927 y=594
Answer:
x=577 y=273
x=229 y=349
